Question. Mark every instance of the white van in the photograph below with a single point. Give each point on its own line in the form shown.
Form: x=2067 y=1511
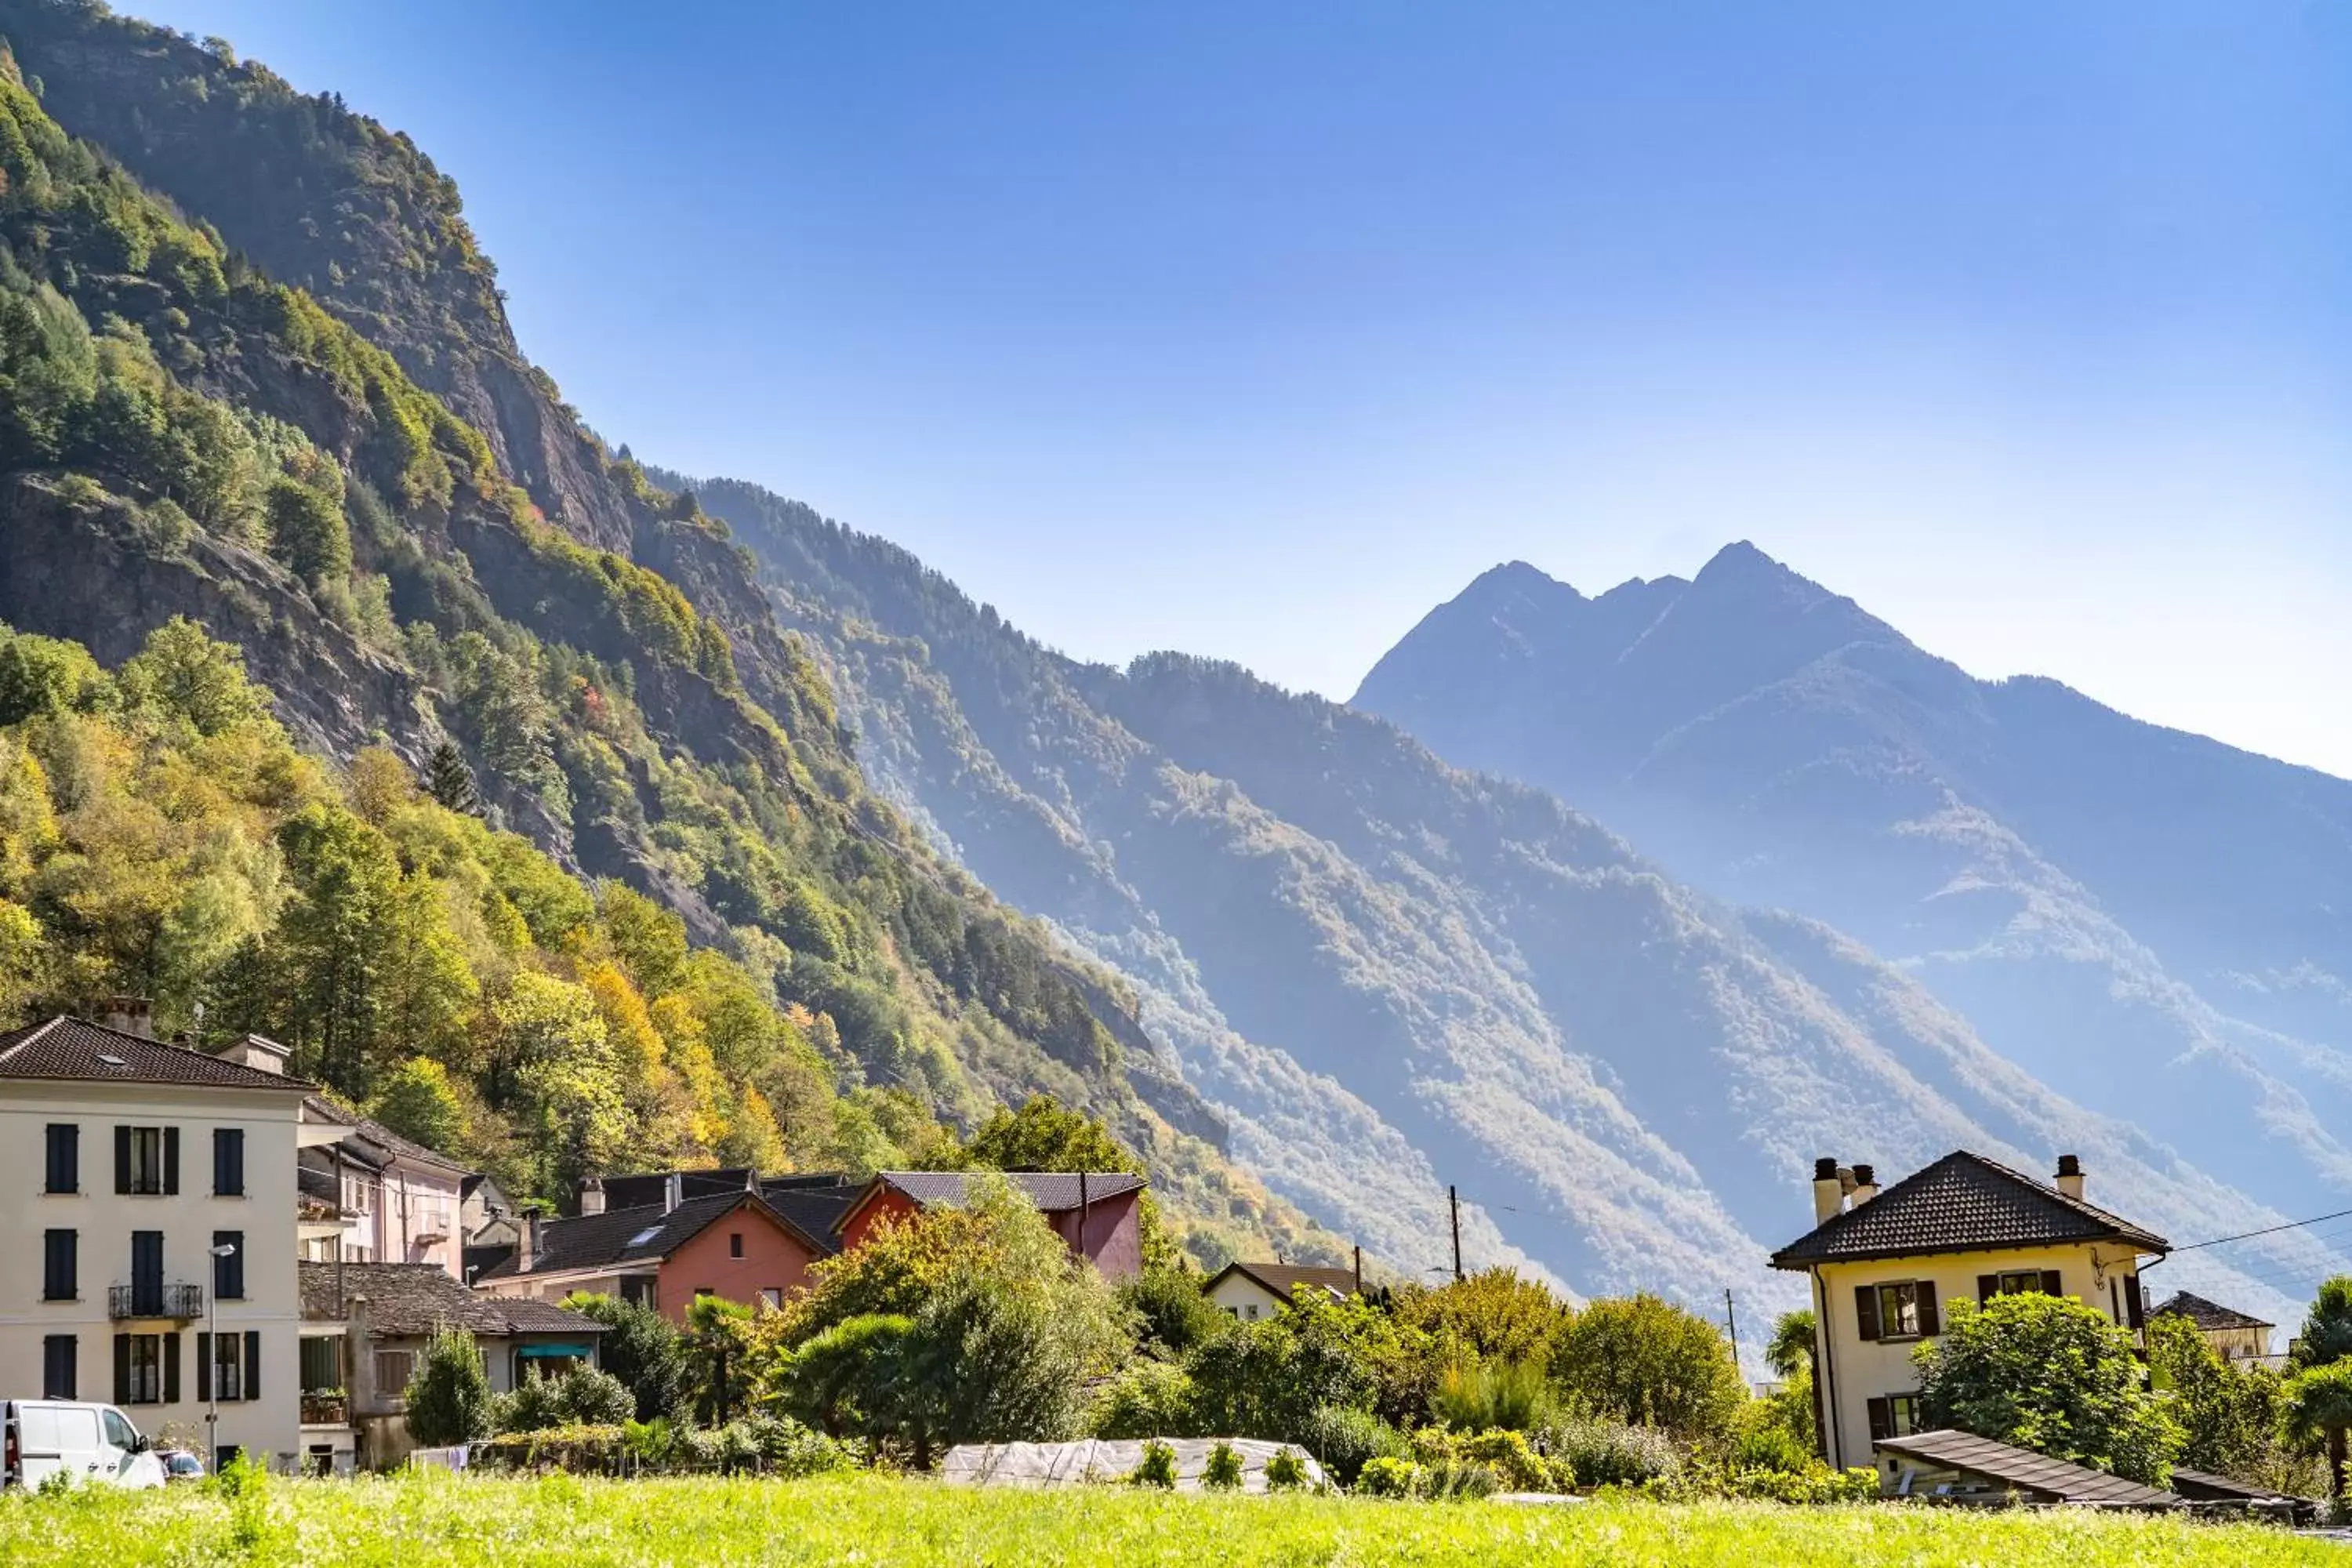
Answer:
x=40 y=1437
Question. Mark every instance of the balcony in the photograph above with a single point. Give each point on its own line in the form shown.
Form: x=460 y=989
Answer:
x=179 y=1301
x=325 y=1407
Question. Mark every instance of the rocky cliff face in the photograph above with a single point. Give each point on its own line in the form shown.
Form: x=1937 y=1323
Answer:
x=1393 y=975
x=2147 y=920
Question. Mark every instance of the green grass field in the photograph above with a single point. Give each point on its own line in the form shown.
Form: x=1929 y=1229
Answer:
x=425 y=1521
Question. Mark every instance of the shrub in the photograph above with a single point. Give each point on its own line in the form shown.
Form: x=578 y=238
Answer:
x=1767 y=1447
x=1156 y=1469
x=1612 y=1453
x=1285 y=1472
x=1345 y=1440
x=449 y=1398
x=639 y=1346
x=1816 y=1484
x=583 y=1450
x=535 y=1404
x=1388 y=1476
x=593 y=1398
x=1172 y=1315
x=1223 y=1470
x=1505 y=1455
x=1149 y=1399
x=1498 y=1394
x=2049 y=1373
x=1643 y=1360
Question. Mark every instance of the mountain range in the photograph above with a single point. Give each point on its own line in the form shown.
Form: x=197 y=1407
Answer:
x=1320 y=962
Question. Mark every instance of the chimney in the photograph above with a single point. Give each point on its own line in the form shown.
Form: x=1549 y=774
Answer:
x=2070 y=1175
x=591 y=1197
x=257 y=1052
x=1866 y=1186
x=359 y=1359
x=130 y=1016
x=673 y=1191
x=526 y=1240
x=1829 y=1191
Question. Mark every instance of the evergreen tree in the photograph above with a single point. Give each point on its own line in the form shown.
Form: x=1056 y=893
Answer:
x=449 y=781
x=449 y=1398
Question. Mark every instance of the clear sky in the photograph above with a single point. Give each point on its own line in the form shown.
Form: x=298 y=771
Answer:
x=1255 y=331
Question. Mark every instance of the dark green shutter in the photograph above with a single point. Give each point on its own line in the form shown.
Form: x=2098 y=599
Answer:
x=252 y=1365
x=122 y=1159
x=1881 y=1419
x=1865 y=1310
x=122 y=1369
x=1929 y=1322
x=1988 y=1286
x=171 y=1161
x=2135 y=1304
x=171 y=1369
x=203 y=1365
x=2049 y=1286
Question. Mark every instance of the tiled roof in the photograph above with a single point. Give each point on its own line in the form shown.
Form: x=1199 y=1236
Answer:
x=2024 y=1471
x=642 y=1234
x=416 y=1297
x=379 y=1144
x=1962 y=1203
x=2209 y=1314
x=1054 y=1192
x=67 y=1047
x=815 y=1212
x=1283 y=1279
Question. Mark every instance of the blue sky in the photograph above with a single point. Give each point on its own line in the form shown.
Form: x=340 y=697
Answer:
x=1257 y=335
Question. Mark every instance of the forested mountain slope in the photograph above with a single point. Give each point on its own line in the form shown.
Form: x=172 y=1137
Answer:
x=183 y=435
x=1355 y=948
x=2151 y=922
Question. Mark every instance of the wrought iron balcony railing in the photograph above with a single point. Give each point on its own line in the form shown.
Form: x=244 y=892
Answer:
x=158 y=1300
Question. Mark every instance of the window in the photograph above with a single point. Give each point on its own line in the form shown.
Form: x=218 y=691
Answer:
x=1899 y=1309
x=1895 y=1415
x=772 y=1296
x=359 y=1195
x=65 y=1158
x=119 y=1431
x=1251 y=1312
x=228 y=1273
x=59 y=1355
x=58 y=1258
x=637 y=1291
x=702 y=1290
x=322 y=1364
x=2019 y=1282
x=393 y=1371
x=228 y=1367
x=147 y=1273
x=734 y=1244
x=227 y=1455
x=143 y=1355
x=147 y=1160
x=228 y=1162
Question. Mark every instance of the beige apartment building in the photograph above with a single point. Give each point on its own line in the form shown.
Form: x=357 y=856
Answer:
x=1886 y=1266
x=129 y=1162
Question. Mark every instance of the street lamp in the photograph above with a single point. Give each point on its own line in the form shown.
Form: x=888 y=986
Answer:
x=218 y=1250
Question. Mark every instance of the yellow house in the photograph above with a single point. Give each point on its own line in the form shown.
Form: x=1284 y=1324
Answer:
x=1884 y=1267
x=2234 y=1335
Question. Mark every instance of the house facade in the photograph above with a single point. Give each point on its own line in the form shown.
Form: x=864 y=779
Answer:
x=130 y=1161
x=2236 y=1336
x=1886 y=1267
x=735 y=1245
x=1097 y=1214
x=365 y=1327
x=1250 y=1291
x=399 y=1201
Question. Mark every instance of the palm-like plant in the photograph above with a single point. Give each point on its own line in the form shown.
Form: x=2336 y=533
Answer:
x=1791 y=1348
x=2326 y=1333
x=2319 y=1406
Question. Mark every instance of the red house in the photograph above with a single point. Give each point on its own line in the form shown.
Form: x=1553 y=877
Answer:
x=1096 y=1212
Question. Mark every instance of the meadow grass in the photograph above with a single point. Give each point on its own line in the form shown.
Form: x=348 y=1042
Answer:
x=428 y=1521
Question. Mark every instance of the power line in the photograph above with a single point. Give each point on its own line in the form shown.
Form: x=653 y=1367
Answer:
x=2267 y=1230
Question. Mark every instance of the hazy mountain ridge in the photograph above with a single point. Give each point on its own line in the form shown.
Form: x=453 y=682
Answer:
x=2106 y=900
x=1322 y=917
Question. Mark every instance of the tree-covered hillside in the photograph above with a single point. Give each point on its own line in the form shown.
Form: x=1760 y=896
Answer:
x=1368 y=958
x=182 y=435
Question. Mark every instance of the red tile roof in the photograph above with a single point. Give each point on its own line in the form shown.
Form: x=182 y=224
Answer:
x=1962 y=1203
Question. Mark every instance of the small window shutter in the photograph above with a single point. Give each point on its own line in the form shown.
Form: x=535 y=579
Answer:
x=1865 y=1310
x=2049 y=1286
x=1988 y=1286
x=122 y=1369
x=171 y=1160
x=220 y=1162
x=1881 y=1420
x=237 y=1162
x=1930 y=1321
x=122 y=1159
x=252 y=1389
x=2135 y=1305
x=203 y=1365
x=171 y=1369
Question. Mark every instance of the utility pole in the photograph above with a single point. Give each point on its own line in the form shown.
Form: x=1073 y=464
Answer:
x=1454 y=1202
x=1731 y=1318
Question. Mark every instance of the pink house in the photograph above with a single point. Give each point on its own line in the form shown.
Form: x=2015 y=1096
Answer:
x=399 y=1201
x=1096 y=1212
